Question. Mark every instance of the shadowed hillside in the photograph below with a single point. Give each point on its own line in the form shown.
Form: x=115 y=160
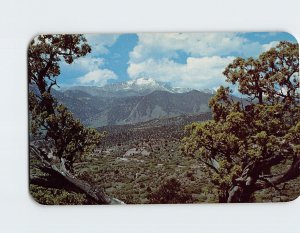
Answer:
x=99 y=111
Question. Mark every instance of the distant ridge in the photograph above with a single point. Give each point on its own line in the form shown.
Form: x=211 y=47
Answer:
x=96 y=111
x=137 y=87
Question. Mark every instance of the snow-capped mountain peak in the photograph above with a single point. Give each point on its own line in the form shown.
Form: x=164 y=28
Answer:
x=143 y=82
x=147 y=83
x=140 y=84
x=136 y=87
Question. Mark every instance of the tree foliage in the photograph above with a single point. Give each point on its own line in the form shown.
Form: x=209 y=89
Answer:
x=171 y=192
x=48 y=118
x=246 y=140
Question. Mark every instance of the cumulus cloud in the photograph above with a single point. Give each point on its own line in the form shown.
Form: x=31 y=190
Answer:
x=97 y=77
x=157 y=45
x=101 y=42
x=92 y=65
x=90 y=70
x=83 y=64
x=95 y=74
x=87 y=63
x=207 y=55
x=202 y=72
x=270 y=45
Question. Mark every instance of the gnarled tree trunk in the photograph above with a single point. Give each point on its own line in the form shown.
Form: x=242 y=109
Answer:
x=246 y=185
x=57 y=170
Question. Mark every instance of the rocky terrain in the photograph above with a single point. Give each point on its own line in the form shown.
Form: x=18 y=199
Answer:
x=135 y=161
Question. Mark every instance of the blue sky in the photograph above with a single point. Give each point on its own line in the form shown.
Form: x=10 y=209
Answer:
x=194 y=60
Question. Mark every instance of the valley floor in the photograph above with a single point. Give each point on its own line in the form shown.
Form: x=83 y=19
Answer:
x=134 y=161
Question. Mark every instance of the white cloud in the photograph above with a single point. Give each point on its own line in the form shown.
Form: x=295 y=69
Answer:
x=83 y=64
x=100 y=43
x=270 y=45
x=92 y=69
x=158 y=45
x=97 y=77
x=87 y=63
x=204 y=72
x=207 y=56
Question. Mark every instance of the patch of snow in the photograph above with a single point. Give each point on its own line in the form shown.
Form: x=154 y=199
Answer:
x=146 y=81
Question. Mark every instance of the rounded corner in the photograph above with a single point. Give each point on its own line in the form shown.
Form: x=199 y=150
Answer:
x=32 y=39
x=293 y=199
x=33 y=199
x=294 y=37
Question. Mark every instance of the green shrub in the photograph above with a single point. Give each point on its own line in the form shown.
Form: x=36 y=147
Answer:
x=171 y=192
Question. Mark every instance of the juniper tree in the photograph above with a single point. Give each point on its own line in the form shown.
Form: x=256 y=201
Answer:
x=47 y=117
x=246 y=140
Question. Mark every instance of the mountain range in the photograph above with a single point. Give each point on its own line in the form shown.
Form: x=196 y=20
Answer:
x=131 y=102
x=137 y=87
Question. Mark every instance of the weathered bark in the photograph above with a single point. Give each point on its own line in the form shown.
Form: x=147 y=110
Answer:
x=245 y=186
x=58 y=171
x=271 y=181
x=240 y=194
